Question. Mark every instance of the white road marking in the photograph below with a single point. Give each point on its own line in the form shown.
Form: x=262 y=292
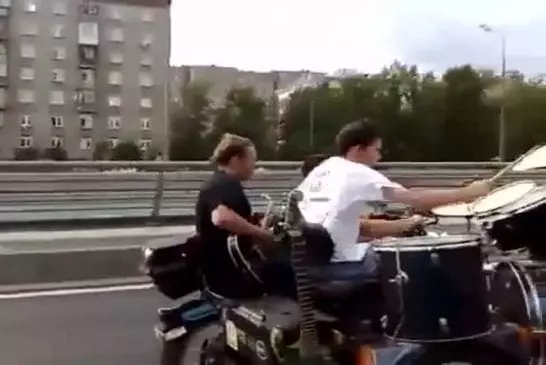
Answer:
x=94 y=233
x=81 y=291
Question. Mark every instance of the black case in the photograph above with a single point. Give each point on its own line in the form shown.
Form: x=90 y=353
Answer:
x=174 y=266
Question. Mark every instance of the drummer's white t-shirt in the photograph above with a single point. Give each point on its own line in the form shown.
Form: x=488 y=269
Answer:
x=335 y=196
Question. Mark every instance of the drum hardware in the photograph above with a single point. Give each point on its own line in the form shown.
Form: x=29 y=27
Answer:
x=435 y=258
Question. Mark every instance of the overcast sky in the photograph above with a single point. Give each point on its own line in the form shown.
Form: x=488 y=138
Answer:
x=359 y=34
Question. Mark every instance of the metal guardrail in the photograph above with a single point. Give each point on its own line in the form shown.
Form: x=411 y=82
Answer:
x=158 y=192
x=64 y=166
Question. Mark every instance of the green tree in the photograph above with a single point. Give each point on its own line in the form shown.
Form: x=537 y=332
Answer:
x=244 y=114
x=126 y=151
x=102 y=151
x=189 y=121
x=56 y=154
x=468 y=131
x=26 y=154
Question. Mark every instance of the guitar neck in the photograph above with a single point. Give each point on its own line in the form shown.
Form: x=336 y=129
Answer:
x=309 y=343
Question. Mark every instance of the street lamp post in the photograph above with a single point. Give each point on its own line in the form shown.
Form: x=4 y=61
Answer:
x=502 y=120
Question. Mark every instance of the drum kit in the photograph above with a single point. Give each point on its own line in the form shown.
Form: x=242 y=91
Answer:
x=463 y=286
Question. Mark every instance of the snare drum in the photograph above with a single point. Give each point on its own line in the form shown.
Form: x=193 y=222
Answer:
x=518 y=295
x=434 y=288
x=521 y=224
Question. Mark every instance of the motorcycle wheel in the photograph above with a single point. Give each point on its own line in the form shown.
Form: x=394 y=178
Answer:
x=188 y=350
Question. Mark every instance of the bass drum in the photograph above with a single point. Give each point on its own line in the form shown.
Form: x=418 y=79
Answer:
x=428 y=296
x=518 y=295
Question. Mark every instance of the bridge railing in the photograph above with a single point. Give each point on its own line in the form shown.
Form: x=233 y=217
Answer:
x=32 y=192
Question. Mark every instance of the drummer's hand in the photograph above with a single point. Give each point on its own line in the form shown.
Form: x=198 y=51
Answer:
x=477 y=189
x=415 y=221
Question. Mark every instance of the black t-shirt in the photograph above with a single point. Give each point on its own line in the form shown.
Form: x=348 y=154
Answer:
x=221 y=274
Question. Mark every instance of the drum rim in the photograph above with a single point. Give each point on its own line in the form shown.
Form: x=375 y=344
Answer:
x=504 y=213
x=529 y=292
x=500 y=188
x=393 y=247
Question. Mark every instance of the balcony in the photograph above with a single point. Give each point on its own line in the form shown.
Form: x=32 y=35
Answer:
x=88 y=56
x=85 y=101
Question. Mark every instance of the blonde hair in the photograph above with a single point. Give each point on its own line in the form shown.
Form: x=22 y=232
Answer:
x=230 y=145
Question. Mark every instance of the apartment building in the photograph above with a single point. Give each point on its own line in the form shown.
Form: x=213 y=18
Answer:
x=77 y=72
x=222 y=79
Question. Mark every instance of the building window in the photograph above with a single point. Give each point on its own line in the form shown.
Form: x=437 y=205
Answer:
x=29 y=28
x=59 y=7
x=56 y=97
x=144 y=144
x=26 y=73
x=88 y=53
x=5 y=3
x=147 y=15
x=58 y=31
x=113 y=142
x=57 y=121
x=89 y=8
x=114 y=122
x=146 y=80
x=3 y=101
x=146 y=60
x=25 y=121
x=146 y=40
x=56 y=142
x=2 y=116
x=25 y=96
x=146 y=103
x=115 y=78
x=59 y=53
x=116 y=35
x=25 y=142
x=28 y=51
x=116 y=58
x=85 y=97
x=114 y=100
x=3 y=70
x=145 y=124
x=58 y=75
x=87 y=78
x=88 y=33
x=86 y=121
x=31 y=6
x=86 y=144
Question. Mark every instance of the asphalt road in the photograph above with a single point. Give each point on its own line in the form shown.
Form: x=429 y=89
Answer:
x=87 y=329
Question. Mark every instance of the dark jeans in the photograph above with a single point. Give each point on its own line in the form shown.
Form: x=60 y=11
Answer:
x=279 y=279
x=349 y=270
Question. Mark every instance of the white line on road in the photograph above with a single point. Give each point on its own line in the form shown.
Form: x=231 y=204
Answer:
x=95 y=233
x=81 y=291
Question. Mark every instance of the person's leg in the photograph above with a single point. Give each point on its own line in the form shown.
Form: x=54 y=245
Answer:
x=364 y=270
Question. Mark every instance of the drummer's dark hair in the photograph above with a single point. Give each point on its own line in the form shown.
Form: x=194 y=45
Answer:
x=311 y=162
x=359 y=133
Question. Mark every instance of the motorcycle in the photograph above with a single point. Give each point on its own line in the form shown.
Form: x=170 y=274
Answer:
x=363 y=323
x=334 y=322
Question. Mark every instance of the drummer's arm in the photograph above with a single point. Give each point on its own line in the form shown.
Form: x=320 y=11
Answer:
x=379 y=228
x=425 y=199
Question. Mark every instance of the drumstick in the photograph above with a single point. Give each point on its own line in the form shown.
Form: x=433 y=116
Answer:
x=508 y=168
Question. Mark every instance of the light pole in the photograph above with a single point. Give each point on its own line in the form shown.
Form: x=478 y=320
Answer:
x=502 y=121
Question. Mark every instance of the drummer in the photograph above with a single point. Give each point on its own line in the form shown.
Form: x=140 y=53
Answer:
x=337 y=191
x=372 y=227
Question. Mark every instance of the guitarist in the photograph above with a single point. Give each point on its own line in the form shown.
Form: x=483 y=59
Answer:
x=223 y=209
